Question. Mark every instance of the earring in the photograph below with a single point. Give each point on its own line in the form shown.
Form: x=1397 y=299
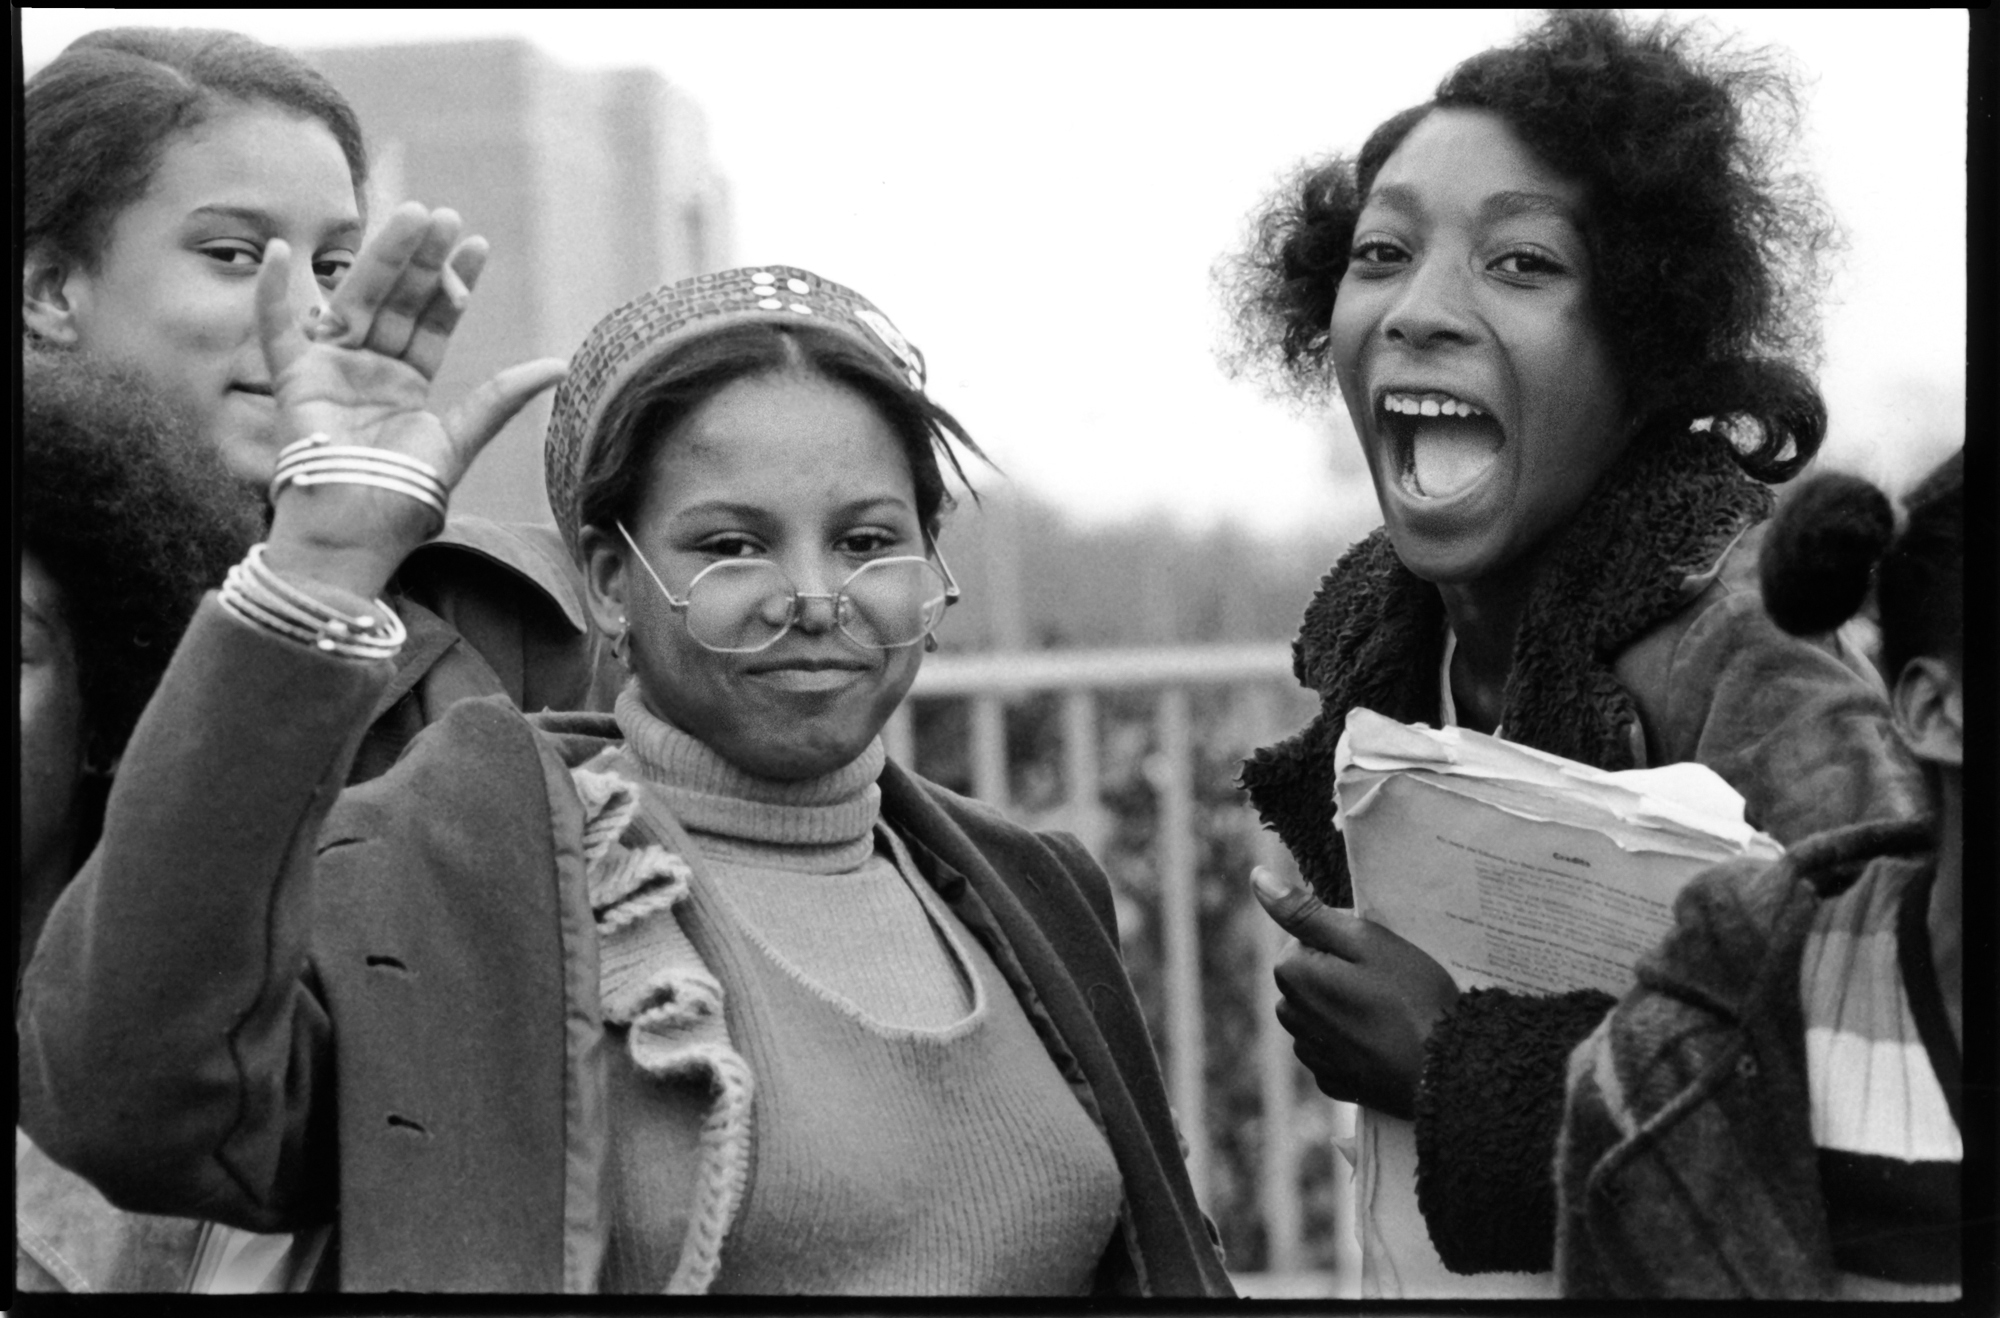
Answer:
x=621 y=643
x=931 y=643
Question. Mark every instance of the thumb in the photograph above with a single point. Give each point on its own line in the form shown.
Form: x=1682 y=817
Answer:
x=1288 y=902
x=493 y=404
x=277 y=325
x=1299 y=911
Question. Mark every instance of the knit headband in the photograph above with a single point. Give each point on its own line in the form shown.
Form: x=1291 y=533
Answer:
x=649 y=327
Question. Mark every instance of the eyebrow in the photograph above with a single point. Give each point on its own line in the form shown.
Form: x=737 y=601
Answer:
x=753 y=512
x=1397 y=197
x=1505 y=205
x=727 y=507
x=1402 y=198
x=870 y=501
x=263 y=219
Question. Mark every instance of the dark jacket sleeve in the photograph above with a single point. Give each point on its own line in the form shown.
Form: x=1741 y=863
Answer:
x=1685 y=1166
x=1593 y=1123
x=1806 y=740
x=172 y=1048
x=1487 y=1114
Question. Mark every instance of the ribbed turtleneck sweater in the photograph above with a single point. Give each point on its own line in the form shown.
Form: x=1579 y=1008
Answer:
x=804 y=868
x=911 y=1134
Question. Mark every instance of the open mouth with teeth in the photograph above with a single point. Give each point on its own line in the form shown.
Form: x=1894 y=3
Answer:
x=1443 y=444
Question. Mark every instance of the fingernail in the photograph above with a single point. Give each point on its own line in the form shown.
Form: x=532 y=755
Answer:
x=1264 y=881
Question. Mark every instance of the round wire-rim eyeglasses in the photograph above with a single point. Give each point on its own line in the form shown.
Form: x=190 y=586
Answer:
x=874 y=619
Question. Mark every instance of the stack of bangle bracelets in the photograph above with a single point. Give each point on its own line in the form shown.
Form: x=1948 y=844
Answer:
x=317 y=460
x=254 y=592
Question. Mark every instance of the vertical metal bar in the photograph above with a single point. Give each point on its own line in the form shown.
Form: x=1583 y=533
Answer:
x=899 y=736
x=1179 y=903
x=1278 y=1072
x=1278 y=1188
x=1080 y=767
x=989 y=751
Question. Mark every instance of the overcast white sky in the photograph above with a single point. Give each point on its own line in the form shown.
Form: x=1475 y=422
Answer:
x=1037 y=201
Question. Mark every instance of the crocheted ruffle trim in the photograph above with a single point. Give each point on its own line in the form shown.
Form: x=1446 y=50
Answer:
x=655 y=985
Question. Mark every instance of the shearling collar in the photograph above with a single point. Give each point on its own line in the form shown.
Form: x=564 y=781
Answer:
x=1374 y=635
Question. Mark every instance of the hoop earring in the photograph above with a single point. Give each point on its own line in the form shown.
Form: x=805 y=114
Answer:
x=621 y=643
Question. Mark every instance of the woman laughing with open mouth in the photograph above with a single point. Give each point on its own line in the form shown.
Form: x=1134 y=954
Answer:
x=1569 y=305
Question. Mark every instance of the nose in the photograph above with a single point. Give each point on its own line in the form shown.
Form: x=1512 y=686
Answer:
x=816 y=611
x=1432 y=304
x=817 y=614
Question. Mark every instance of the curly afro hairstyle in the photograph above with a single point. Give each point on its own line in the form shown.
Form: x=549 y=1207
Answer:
x=132 y=516
x=1707 y=251
x=1836 y=536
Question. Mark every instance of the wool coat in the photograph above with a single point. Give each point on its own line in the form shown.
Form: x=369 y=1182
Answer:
x=276 y=1004
x=491 y=609
x=1643 y=643
x=1687 y=1166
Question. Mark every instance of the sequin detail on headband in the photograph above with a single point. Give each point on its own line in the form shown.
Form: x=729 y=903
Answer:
x=651 y=325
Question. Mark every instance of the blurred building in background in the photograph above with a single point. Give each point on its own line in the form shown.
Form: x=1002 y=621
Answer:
x=592 y=185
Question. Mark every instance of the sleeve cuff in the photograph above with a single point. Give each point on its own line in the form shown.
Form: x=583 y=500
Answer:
x=1487 y=1117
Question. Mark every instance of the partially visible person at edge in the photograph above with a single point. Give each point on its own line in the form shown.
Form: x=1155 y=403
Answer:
x=703 y=997
x=157 y=164
x=1569 y=303
x=126 y=517
x=1773 y=1111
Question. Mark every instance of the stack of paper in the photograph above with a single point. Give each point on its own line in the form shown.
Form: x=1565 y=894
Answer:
x=1519 y=869
x=1514 y=869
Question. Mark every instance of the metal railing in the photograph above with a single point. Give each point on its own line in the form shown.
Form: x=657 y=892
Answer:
x=1257 y=681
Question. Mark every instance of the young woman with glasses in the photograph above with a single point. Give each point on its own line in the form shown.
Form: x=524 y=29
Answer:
x=704 y=995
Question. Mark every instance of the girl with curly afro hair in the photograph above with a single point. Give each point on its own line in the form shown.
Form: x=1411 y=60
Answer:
x=1569 y=304
x=126 y=518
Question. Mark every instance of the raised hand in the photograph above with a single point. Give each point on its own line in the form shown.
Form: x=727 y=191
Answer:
x=360 y=373
x=1358 y=1000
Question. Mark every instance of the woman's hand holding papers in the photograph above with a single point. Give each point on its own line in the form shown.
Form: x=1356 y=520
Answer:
x=1358 y=1000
